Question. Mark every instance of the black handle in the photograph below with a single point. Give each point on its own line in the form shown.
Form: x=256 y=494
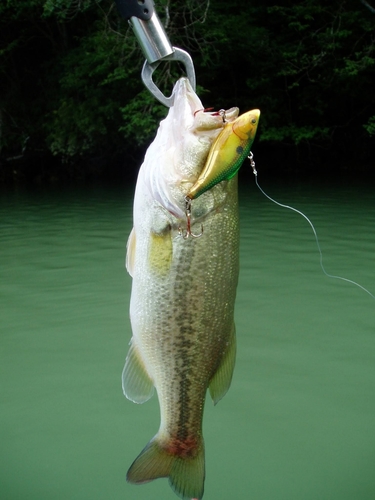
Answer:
x=142 y=9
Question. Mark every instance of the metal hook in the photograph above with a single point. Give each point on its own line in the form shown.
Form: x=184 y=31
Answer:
x=188 y=232
x=222 y=114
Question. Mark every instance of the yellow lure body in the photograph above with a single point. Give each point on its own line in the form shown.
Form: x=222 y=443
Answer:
x=227 y=153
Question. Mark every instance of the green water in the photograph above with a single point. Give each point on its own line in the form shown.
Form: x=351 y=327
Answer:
x=298 y=422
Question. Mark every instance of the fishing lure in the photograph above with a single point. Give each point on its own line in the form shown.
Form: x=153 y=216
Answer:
x=225 y=158
x=227 y=153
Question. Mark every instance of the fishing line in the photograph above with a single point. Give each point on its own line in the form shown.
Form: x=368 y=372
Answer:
x=252 y=163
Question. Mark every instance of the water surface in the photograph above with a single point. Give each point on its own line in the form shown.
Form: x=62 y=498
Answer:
x=298 y=422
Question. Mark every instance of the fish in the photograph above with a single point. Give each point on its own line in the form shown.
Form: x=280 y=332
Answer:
x=183 y=292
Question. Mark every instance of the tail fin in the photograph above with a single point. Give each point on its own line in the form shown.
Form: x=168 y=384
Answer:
x=186 y=473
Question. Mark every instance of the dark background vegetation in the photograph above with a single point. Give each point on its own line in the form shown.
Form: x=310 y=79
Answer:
x=72 y=104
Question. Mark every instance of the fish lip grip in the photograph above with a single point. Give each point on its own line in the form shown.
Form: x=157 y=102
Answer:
x=148 y=69
x=154 y=43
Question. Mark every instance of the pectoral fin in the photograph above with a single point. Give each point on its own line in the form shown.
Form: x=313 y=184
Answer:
x=136 y=383
x=130 y=254
x=222 y=378
x=160 y=252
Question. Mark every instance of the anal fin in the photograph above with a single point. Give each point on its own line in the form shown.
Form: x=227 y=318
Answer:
x=221 y=380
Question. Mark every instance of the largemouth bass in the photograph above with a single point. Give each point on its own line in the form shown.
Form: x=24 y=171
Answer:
x=183 y=293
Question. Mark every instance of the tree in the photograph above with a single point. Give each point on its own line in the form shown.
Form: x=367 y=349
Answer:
x=70 y=75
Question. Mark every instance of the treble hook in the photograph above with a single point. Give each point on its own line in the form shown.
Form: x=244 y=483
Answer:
x=188 y=232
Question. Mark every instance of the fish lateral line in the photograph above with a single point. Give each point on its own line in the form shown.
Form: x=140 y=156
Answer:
x=168 y=272
x=252 y=163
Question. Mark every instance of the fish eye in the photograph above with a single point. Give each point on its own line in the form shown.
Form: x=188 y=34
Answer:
x=254 y=120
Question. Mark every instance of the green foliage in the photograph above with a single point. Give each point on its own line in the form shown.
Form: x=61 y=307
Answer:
x=70 y=72
x=140 y=118
x=318 y=50
x=79 y=127
x=370 y=126
x=86 y=108
x=65 y=10
x=295 y=134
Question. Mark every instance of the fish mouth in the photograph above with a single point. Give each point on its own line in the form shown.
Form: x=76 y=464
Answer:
x=255 y=114
x=198 y=118
x=184 y=92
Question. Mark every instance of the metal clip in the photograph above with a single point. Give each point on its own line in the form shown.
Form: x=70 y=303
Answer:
x=252 y=163
x=154 y=43
x=148 y=69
